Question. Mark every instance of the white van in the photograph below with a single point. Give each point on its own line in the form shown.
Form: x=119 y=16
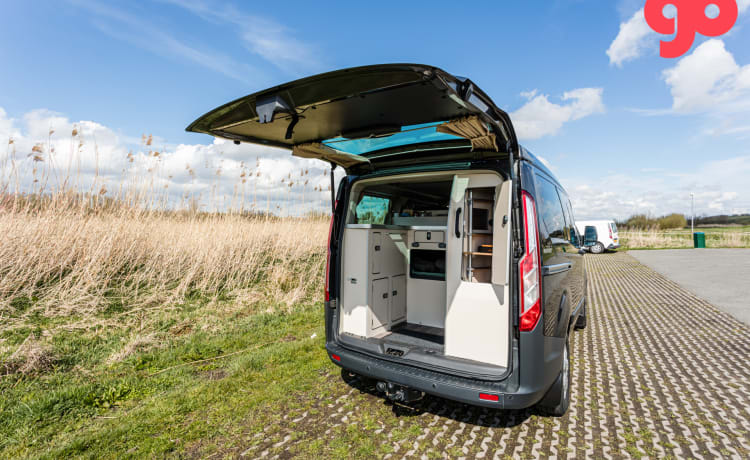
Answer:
x=599 y=235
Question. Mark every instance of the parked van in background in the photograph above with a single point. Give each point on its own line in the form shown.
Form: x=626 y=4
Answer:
x=454 y=266
x=599 y=235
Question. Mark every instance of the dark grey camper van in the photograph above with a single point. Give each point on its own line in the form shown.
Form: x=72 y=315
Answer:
x=454 y=264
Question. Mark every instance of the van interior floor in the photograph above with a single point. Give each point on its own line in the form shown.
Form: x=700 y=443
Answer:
x=414 y=336
x=434 y=335
x=422 y=344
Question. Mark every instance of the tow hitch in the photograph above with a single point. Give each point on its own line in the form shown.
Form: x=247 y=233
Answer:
x=398 y=393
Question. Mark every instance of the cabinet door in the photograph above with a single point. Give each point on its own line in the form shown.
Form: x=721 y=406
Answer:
x=398 y=298
x=376 y=252
x=379 y=307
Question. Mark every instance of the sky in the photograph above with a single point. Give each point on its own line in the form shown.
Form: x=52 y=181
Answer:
x=624 y=130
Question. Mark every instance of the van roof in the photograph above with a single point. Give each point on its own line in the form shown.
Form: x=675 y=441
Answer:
x=539 y=164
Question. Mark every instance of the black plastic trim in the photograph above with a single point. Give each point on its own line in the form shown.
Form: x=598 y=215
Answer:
x=460 y=389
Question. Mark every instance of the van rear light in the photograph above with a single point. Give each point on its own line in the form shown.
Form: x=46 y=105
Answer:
x=610 y=232
x=530 y=270
x=328 y=253
x=336 y=357
x=488 y=397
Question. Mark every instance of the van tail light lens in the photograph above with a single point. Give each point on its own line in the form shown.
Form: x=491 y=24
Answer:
x=530 y=270
x=610 y=233
x=489 y=397
x=328 y=253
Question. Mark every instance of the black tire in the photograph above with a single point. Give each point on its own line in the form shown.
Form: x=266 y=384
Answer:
x=557 y=399
x=581 y=321
x=598 y=248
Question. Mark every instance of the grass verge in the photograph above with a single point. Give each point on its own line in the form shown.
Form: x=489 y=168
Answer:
x=90 y=405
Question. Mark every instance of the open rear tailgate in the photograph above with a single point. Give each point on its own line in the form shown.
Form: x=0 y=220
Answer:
x=352 y=103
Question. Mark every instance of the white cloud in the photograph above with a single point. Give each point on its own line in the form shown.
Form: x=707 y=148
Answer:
x=539 y=117
x=134 y=30
x=6 y=126
x=634 y=38
x=272 y=41
x=720 y=187
x=709 y=80
x=98 y=156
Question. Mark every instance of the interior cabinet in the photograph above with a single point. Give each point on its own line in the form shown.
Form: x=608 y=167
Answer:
x=376 y=252
x=478 y=235
x=380 y=303
x=398 y=299
x=374 y=287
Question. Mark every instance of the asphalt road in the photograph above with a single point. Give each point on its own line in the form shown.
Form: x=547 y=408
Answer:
x=721 y=276
x=657 y=373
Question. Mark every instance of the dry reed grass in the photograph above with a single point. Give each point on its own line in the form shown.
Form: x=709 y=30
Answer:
x=75 y=249
x=73 y=262
x=650 y=239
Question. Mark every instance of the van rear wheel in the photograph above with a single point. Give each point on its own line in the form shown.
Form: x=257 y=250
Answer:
x=557 y=399
x=598 y=248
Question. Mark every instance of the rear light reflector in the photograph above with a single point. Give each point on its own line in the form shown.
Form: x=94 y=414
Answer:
x=488 y=397
x=530 y=270
x=336 y=357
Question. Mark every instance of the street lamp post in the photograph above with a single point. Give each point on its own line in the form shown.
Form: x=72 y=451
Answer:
x=692 y=213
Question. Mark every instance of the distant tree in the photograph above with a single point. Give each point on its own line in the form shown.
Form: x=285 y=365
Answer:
x=672 y=221
x=740 y=219
x=641 y=221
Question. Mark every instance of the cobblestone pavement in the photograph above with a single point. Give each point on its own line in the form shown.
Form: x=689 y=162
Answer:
x=658 y=372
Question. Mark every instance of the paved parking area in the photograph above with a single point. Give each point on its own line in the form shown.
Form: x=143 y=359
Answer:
x=659 y=372
x=721 y=276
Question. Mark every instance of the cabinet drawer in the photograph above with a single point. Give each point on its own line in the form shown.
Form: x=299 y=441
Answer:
x=380 y=303
x=429 y=236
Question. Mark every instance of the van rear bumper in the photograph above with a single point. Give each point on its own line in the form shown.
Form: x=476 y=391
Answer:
x=613 y=246
x=460 y=389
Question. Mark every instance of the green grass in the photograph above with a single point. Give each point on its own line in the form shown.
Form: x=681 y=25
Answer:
x=87 y=406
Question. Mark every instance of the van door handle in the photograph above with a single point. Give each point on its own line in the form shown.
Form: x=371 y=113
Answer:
x=555 y=269
x=458 y=220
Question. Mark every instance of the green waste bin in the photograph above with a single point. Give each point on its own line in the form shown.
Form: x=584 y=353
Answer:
x=699 y=240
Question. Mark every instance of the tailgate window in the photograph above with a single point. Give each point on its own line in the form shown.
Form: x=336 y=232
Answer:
x=408 y=135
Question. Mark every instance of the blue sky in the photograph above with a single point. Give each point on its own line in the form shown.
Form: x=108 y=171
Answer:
x=625 y=130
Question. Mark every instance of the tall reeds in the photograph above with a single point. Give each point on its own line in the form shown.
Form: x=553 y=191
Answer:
x=75 y=244
x=653 y=239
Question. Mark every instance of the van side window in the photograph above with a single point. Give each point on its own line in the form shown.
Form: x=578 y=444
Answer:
x=571 y=234
x=550 y=208
x=372 y=210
